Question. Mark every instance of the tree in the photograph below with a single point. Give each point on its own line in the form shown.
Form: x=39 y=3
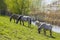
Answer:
x=2 y=7
x=18 y=6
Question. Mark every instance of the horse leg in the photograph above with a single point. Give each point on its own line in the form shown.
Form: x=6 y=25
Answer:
x=51 y=33
x=14 y=20
x=20 y=21
x=29 y=23
x=10 y=18
x=23 y=22
x=39 y=29
x=44 y=31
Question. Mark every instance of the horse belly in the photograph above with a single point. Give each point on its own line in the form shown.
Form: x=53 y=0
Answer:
x=48 y=27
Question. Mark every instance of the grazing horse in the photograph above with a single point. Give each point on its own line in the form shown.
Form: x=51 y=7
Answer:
x=14 y=16
x=20 y=19
x=45 y=27
x=24 y=18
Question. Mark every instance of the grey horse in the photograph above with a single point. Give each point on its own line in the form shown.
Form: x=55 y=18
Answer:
x=13 y=16
x=24 y=18
x=45 y=27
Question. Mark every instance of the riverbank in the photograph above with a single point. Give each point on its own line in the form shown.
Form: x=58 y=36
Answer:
x=54 y=28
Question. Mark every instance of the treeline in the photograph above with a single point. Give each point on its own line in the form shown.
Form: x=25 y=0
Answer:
x=2 y=7
x=53 y=18
x=15 y=6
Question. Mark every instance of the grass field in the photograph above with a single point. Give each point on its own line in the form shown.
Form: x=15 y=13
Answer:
x=12 y=31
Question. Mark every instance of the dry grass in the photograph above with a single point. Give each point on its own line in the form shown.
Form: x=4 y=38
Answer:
x=52 y=17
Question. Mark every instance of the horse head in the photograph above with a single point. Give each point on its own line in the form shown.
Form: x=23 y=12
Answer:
x=37 y=23
x=19 y=18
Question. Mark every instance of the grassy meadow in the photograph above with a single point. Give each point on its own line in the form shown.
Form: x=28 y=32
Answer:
x=12 y=31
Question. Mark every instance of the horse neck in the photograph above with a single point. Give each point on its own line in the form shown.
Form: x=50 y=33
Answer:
x=42 y=25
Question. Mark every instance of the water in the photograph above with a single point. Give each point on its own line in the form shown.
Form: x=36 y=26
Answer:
x=54 y=28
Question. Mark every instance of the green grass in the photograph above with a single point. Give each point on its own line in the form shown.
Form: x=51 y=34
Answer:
x=12 y=31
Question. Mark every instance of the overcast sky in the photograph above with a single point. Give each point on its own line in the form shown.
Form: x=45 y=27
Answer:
x=46 y=2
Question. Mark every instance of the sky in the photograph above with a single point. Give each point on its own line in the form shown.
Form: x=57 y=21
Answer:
x=46 y=2
x=43 y=3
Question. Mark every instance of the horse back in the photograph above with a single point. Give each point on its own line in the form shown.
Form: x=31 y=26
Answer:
x=14 y=16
